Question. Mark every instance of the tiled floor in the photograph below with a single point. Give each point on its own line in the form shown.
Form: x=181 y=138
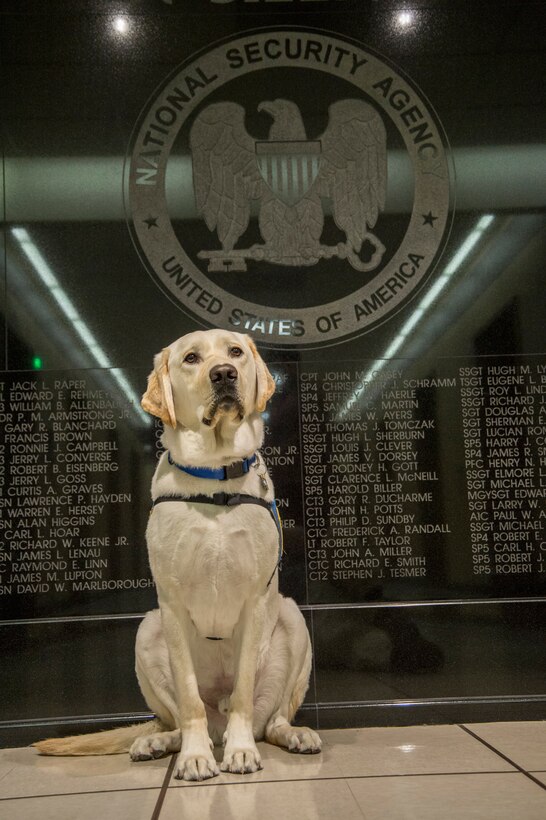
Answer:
x=487 y=770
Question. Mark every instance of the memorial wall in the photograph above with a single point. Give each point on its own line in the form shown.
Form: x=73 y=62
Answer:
x=360 y=187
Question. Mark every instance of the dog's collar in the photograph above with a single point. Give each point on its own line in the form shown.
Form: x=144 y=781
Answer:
x=235 y=470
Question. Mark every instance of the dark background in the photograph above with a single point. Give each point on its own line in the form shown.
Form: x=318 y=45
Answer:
x=73 y=88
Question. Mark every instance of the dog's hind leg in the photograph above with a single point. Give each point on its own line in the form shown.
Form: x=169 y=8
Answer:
x=157 y=691
x=155 y=680
x=282 y=683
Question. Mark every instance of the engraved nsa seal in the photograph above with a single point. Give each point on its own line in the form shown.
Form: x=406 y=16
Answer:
x=290 y=176
x=290 y=184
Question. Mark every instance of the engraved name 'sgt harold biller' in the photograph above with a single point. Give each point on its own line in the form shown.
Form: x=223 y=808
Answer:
x=289 y=152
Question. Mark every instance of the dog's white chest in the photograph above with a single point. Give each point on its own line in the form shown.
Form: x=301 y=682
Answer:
x=210 y=560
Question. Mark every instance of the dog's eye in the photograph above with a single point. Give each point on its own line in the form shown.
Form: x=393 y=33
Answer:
x=235 y=352
x=191 y=358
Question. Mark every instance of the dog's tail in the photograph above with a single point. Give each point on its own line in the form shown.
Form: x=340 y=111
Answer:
x=109 y=742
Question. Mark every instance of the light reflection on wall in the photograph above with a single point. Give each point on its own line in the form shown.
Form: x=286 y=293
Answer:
x=75 y=321
x=121 y=25
x=404 y=19
x=424 y=306
x=496 y=177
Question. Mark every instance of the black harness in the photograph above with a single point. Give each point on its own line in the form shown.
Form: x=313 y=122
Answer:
x=228 y=500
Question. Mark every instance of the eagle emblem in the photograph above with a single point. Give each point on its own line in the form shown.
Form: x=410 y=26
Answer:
x=288 y=177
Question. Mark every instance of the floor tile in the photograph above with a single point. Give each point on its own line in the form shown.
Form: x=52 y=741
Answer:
x=523 y=742
x=406 y=773
x=450 y=797
x=5 y=765
x=373 y=751
x=280 y=764
x=310 y=800
x=32 y=774
x=409 y=750
x=137 y=805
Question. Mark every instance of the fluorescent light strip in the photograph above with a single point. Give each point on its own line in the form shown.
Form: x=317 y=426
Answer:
x=469 y=243
x=454 y=264
x=68 y=309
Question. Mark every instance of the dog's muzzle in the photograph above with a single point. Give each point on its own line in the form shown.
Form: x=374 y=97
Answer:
x=224 y=383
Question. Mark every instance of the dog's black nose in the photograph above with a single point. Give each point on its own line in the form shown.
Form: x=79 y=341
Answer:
x=223 y=374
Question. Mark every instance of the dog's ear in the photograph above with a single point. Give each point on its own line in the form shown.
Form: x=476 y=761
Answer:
x=158 y=398
x=265 y=385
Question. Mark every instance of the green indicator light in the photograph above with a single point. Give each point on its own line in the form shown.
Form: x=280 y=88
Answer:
x=37 y=363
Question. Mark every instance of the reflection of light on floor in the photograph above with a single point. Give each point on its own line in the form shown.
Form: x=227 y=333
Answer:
x=67 y=308
x=406 y=748
x=424 y=305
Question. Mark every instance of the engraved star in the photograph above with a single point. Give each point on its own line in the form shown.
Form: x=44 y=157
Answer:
x=428 y=219
x=151 y=222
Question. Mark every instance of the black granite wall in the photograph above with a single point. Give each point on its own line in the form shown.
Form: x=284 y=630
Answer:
x=359 y=186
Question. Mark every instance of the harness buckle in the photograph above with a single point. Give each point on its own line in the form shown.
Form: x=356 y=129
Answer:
x=220 y=499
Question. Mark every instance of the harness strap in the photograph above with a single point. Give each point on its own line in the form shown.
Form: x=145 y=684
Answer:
x=233 y=500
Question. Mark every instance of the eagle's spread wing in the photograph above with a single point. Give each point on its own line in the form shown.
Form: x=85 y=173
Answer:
x=225 y=172
x=354 y=167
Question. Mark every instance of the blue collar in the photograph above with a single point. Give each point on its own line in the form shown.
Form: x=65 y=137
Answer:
x=235 y=470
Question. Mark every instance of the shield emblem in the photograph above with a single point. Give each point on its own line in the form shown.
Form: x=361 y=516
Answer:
x=289 y=168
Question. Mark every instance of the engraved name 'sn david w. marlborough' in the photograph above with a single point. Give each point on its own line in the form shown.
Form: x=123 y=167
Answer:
x=314 y=195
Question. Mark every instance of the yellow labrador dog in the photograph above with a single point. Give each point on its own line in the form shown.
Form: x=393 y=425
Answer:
x=226 y=657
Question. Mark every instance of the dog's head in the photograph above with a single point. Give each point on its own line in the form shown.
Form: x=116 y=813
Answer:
x=206 y=376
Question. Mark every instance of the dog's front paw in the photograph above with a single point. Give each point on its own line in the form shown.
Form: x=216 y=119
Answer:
x=241 y=761
x=195 y=767
x=303 y=741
